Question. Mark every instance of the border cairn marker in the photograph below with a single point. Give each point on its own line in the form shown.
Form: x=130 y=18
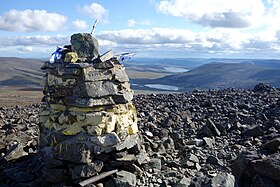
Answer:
x=88 y=127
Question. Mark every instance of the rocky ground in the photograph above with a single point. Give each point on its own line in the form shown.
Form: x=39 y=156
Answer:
x=205 y=138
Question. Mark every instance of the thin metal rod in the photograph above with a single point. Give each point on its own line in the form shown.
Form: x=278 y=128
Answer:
x=94 y=26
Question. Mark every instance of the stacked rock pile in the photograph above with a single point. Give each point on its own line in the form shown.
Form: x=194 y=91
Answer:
x=89 y=124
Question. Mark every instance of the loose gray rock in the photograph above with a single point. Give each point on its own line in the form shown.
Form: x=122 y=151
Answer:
x=73 y=152
x=253 y=132
x=269 y=167
x=213 y=160
x=223 y=179
x=154 y=163
x=184 y=182
x=86 y=170
x=55 y=175
x=125 y=179
x=273 y=145
x=209 y=129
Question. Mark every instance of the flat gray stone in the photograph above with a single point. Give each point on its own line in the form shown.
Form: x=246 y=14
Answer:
x=110 y=139
x=122 y=98
x=15 y=152
x=96 y=89
x=91 y=74
x=103 y=65
x=253 y=132
x=61 y=70
x=223 y=179
x=273 y=145
x=88 y=102
x=209 y=142
x=184 y=182
x=86 y=170
x=125 y=179
x=120 y=74
x=75 y=152
x=269 y=167
x=128 y=142
x=154 y=163
x=55 y=175
x=209 y=129
x=78 y=65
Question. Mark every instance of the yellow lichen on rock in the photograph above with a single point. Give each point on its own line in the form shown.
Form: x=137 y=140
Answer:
x=58 y=107
x=133 y=128
x=71 y=57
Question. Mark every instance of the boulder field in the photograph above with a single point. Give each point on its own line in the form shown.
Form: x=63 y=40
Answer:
x=213 y=138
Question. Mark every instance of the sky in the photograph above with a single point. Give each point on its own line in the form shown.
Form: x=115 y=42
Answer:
x=149 y=28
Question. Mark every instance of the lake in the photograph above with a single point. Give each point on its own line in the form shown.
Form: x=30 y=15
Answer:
x=175 y=69
x=162 y=87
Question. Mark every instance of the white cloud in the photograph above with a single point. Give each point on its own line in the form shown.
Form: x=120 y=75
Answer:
x=80 y=24
x=43 y=44
x=37 y=40
x=95 y=11
x=148 y=36
x=31 y=20
x=131 y=22
x=26 y=49
x=216 y=13
x=220 y=42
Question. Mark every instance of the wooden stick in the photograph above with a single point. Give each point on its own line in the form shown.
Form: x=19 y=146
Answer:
x=97 y=177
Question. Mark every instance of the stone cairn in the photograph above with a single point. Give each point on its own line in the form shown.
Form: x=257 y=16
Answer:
x=88 y=127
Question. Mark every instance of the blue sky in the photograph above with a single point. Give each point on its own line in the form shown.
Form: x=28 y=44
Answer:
x=151 y=28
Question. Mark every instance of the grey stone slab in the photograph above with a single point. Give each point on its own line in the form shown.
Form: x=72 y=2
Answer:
x=123 y=98
x=88 y=102
x=91 y=74
x=86 y=170
x=54 y=175
x=223 y=179
x=125 y=179
x=103 y=65
x=96 y=89
x=110 y=139
x=75 y=152
x=128 y=142
x=78 y=65
x=59 y=82
x=120 y=74
x=63 y=92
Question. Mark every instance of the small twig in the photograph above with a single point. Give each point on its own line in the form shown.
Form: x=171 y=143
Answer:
x=97 y=177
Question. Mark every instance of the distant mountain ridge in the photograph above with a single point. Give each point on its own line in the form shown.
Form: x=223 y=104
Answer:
x=224 y=75
x=206 y=74
x=20 y=72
